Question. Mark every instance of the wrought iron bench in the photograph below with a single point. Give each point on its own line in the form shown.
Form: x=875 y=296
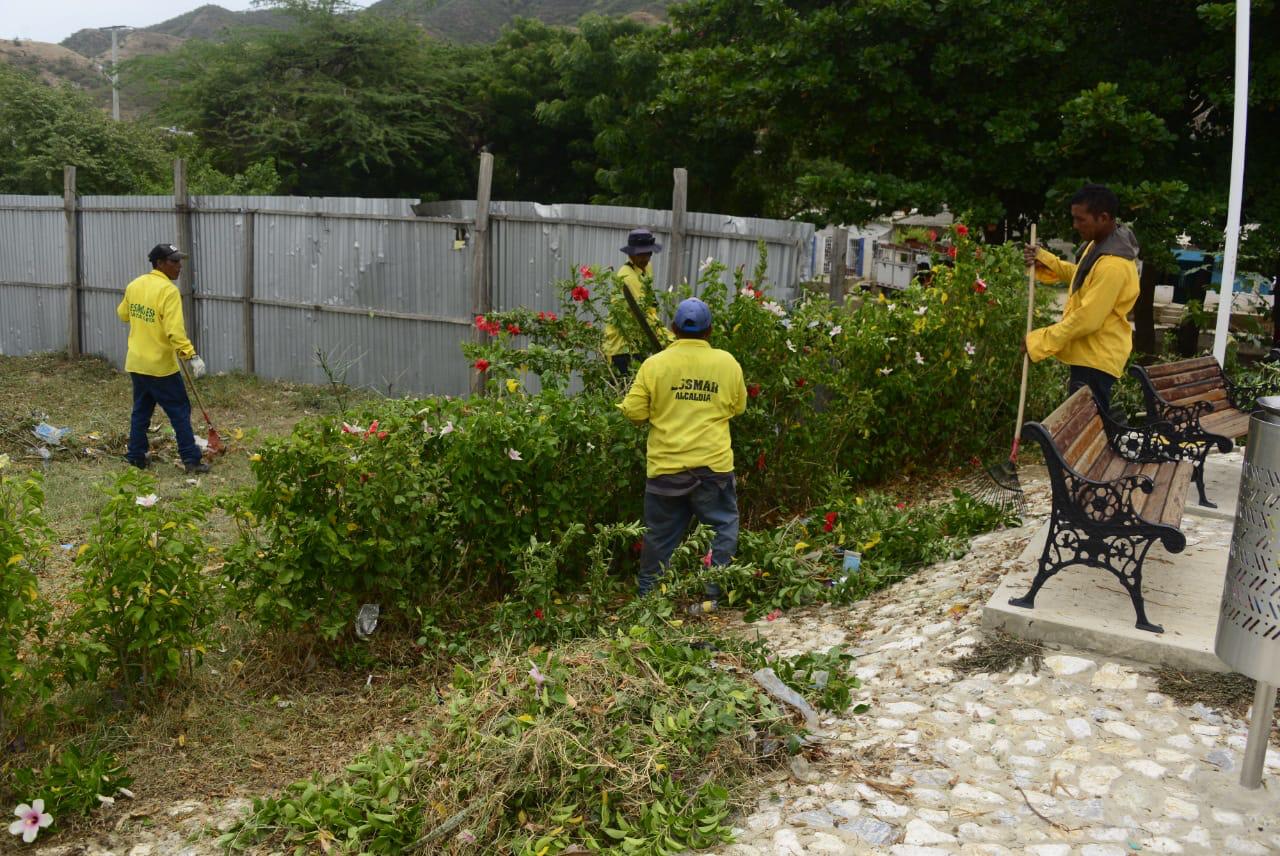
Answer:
x=1202 y=406
x=1116 y=491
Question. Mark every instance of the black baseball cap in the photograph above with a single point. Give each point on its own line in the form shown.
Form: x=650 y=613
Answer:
x=165 y=251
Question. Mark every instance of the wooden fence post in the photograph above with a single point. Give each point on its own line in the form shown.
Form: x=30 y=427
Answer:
x=677 y=265
x=839 y=263
x=182 y=208
x=250 y=364
x=70 y=205
x=481 y=290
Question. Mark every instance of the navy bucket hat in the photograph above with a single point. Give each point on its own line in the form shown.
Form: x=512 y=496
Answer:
x=641 y=242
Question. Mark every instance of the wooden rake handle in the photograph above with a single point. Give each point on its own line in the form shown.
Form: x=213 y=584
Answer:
x=1026 y=358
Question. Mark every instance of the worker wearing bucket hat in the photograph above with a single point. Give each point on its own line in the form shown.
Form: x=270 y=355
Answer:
x=687 y=394
x=641 y=245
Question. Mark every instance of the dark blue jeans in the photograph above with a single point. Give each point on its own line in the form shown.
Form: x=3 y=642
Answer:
x=1098 y=381
x=667 y=520
x=171 y=395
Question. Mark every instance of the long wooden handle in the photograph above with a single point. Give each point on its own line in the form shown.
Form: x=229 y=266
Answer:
x=640 y=319
x=1026 y=359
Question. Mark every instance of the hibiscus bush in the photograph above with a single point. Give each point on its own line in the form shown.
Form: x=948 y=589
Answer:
x=144 y=603
x=889 y=385
x=24 y=615
x=413 y=502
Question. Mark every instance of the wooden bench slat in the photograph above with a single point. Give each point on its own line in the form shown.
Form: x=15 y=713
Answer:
x=1192 y=364
x=1183 y=393
x=1069 y=418
x=1153 y=508
x=1098 y=448
x=1172 y=380
x=1230 y=423
x=1176 y=501
x=1107 y=467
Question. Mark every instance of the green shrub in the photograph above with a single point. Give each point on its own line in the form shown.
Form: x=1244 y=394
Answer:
x=24 y=614
x=144 y=603
x=437 y=501
x=75 y=782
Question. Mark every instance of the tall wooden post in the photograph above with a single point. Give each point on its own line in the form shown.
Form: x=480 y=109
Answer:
x=182 y=209
x=481 y=288
x=839 y=263
x=677 y=263
x=250 y=364
x=70 y=207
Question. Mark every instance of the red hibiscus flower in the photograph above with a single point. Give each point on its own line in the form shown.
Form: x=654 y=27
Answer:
x=830 y=523
x=537 y=613
x=800 y=382
x=773 y=616
x=933 y=234
x=901 y=505
x=980 y=285
x=637 y=547
x=586 y=272
x=760 y=462
x=373 y=428
x=951 y=252
x=753 y=391
x=513 y=329
x=579 y=293
x=962 y=229
x=551 y=316
x=482 y=365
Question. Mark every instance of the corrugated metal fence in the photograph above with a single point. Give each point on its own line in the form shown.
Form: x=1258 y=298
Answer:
x=366 y=281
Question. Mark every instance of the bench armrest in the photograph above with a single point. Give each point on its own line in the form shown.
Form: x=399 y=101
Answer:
x=1245 y=396
x=1109 y=503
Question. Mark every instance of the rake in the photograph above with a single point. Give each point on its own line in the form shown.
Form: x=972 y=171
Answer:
x=998 y=484
x=216 y=446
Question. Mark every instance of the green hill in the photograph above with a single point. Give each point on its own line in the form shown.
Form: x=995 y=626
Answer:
x=482 y=20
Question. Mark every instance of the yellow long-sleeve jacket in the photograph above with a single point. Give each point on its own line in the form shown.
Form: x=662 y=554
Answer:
x=1094 y=330
x=614 y=342
x=687 y=393
x=152 y=308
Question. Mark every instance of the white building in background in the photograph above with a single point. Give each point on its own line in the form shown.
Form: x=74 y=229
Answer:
x=878 y=253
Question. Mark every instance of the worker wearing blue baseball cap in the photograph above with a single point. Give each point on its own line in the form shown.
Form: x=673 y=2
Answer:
x=687 y=394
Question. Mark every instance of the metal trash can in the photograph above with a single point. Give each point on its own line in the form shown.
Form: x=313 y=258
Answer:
x=1248 y=637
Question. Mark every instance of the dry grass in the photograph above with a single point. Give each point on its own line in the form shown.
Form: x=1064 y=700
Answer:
x=259 y=713
x=1224 y=691
x=1000 y=652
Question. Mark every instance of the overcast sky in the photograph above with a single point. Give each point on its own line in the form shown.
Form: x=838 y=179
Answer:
x=54 y=20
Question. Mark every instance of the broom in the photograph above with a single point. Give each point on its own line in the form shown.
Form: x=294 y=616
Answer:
x=998 y=484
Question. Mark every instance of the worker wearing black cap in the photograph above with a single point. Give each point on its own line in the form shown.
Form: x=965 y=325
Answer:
x=152 y=308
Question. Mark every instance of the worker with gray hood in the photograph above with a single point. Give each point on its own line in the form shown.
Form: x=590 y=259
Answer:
x=1094 y=337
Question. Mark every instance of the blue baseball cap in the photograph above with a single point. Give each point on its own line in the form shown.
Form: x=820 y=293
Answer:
x=693 y=316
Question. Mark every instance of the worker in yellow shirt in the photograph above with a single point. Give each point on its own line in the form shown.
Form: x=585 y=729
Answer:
x=640 y=248
x=1094 y=337
x=152 y=308
x=687 y=394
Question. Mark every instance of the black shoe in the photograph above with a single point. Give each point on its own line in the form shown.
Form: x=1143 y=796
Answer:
x=140 y=464
x=197 y=467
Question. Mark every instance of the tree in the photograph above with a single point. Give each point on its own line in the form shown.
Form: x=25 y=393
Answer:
x=45 y=128
x=356 y=105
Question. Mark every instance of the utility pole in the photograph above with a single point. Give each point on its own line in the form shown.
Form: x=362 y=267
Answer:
x=115 y=77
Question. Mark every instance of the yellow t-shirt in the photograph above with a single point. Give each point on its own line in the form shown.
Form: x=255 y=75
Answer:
x=687 y=393
x=152 y=308
x=614 y=342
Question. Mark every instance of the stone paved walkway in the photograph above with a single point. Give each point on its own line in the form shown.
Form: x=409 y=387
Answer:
x=1083 y=759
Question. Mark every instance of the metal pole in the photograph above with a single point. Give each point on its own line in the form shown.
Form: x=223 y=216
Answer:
x=115 y=76
x=186 y=279
x=1238 y=127
x=70 y=204
x=1255 y=751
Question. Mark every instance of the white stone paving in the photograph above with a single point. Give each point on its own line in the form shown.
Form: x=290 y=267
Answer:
x=1084 y=758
